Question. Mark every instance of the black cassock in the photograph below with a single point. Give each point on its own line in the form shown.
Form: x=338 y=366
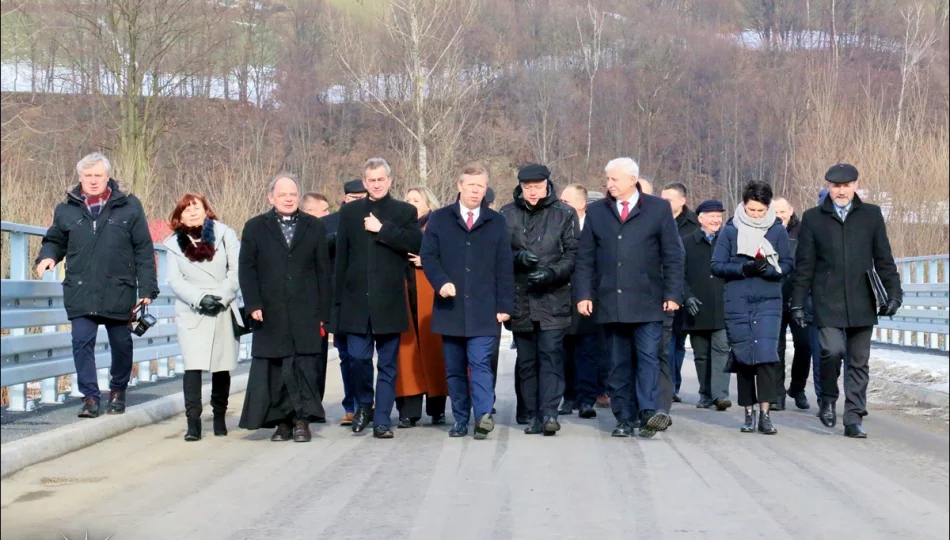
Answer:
x=289 y=282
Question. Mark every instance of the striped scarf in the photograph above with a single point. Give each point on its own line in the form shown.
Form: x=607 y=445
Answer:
x=95 y=203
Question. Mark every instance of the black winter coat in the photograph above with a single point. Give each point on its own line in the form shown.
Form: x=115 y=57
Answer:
x=703 y=285
x=753 y=304
x=290 y=284
x=629 y=269
x=549 y=230
x=581 y=325
x=833 y=258
x=687 y=223
x=478 y=262
x=371 y=267
x=110 y=261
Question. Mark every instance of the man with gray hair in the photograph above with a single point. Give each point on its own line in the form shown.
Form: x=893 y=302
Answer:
x=375 y=237
x=103 y=234
x=629 y=273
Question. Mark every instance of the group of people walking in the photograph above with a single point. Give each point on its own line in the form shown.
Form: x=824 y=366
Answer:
x=599 y=296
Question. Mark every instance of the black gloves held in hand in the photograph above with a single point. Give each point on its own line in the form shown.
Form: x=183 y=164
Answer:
x=692 y=306
x=210 y=305
x=891 y=308
x=755 y=267
x=541 y=277
x=525 y=261
x=798 y=316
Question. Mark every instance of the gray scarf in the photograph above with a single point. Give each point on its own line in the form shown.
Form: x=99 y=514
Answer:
x=751 y=237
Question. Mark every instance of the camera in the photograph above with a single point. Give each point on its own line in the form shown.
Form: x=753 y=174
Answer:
x=141 y=320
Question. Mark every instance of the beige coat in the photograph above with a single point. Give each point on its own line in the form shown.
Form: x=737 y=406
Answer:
x=207 y=343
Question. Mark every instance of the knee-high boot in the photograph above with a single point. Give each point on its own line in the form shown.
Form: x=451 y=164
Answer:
x=192 y=388
x=220 y=390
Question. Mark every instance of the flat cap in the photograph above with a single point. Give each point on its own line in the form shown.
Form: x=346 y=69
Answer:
x=489 y=196
x=354 y=186
x=710 y=205
x=842 y=173
x=533 y=172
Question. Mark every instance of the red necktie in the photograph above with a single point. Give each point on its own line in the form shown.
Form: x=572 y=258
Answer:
x=626 y=211
x=470 y=221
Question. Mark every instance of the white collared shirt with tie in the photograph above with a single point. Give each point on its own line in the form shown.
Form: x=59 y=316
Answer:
x=631 y=202
x=465 y=211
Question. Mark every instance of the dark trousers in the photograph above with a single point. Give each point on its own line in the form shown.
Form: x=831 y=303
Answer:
x=469 y=375
x=360 y=348
x=322 y=374
x=800 y=360
x=349 y=398
x=220 y=390
x=677 y=350
x=665 y=383
x=84 y=353
x=756 y=383
x=854 y=344
x=582 y=354
x=541 y=366
x=635 y=366
x=711 y=354
x=411 y=406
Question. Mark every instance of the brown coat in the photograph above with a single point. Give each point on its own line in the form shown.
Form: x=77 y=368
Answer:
x=421 y=368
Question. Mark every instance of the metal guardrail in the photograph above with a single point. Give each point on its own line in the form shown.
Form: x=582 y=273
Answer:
x=35 y=347
x=924 y=319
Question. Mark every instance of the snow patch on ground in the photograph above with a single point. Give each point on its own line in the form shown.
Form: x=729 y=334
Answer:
x=922 y=370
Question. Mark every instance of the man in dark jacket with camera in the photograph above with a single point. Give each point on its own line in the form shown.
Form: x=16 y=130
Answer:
x=842 y=243
x=110 y=269
x=544 y=236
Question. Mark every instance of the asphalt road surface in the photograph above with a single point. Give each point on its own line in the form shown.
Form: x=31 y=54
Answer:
x=701 y=479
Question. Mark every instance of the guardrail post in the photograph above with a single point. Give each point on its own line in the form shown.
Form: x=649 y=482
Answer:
x=48 y=393
x=19 y=252
x=74 y=386
x=162 y=368
x=18 y=401
x=102 y=374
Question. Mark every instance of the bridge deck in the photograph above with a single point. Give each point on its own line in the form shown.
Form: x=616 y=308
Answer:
x=703 y=479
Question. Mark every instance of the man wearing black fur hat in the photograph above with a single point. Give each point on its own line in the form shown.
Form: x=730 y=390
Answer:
x=544 y=236
x=841 y=243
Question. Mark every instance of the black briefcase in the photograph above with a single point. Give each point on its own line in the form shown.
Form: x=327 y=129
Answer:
x=877 y=290
x=250 y=324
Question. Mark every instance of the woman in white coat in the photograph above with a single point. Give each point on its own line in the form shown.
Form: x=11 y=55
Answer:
x=203 y=274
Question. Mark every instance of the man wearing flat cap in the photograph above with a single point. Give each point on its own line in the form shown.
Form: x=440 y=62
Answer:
x=841 y=243
x=704 y=318
x=353 y=190
x=544 y=236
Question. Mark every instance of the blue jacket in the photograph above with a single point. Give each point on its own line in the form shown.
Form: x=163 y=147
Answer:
x=753 y=304
x=629 y=269
x=478 y=262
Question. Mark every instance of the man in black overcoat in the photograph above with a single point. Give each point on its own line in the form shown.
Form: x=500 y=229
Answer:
x=704 y=317
x=629 y=274
x=284 y=273
x=544 y=236
x=841 y=242
x=373 y=243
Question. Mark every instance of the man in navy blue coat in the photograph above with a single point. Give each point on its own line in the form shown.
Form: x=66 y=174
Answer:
x=466 y=255
x=629 y=272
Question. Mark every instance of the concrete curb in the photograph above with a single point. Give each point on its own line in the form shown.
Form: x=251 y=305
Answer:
x=17 y=455
x=923 y=396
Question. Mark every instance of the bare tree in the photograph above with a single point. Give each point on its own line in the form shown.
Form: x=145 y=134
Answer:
x=590 y=39
x=917 y=44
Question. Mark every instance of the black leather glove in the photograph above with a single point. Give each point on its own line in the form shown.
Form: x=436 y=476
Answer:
x=891 y=308
x=750 y=268
x=692 y=306
x=541 y=277
x=798 y=316
x=210 y=305
x=762 y=265
x=525 y=261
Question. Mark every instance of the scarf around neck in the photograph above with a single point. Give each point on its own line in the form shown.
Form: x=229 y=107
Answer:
x=197 y=243
x=751 y=239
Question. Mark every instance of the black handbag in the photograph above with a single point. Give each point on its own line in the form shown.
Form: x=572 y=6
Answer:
x=250 y=324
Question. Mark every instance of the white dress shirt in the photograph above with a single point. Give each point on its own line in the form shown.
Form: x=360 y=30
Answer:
x=465 y=211
x=632 y=201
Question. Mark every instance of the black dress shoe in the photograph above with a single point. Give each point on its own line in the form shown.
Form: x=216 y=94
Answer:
x=828 y=415
x=90 y=408
x=284 y=432
x=855 y=431
x=361 y=419
x=587 y=411
x=116 y=402
x=493 y=411
x=460 y=429
x=522 y=420
x=438 y=420
x=194 y=430
x=534 y=427
x=704 y=403
x=677 y=398
x=765 y=424
x=382 y=432
x=220 y=426
x=623 y=429
x=302 y=431
x=484 y=426
x=749 y=425
x=567 y=407
x=550 y=426
x=722 y=404
x=776 y=406
x=801 y=400
x=405 y=423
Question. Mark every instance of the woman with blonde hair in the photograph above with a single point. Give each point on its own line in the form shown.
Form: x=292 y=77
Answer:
x=421 y=368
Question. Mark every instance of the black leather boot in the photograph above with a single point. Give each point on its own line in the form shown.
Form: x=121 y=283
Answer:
x=827 y=414
x=362 y=419
x=220 y=426
x=116 y=402
x=749 y=425
x=194 y=430
x=765 y=424
x=191 y=385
